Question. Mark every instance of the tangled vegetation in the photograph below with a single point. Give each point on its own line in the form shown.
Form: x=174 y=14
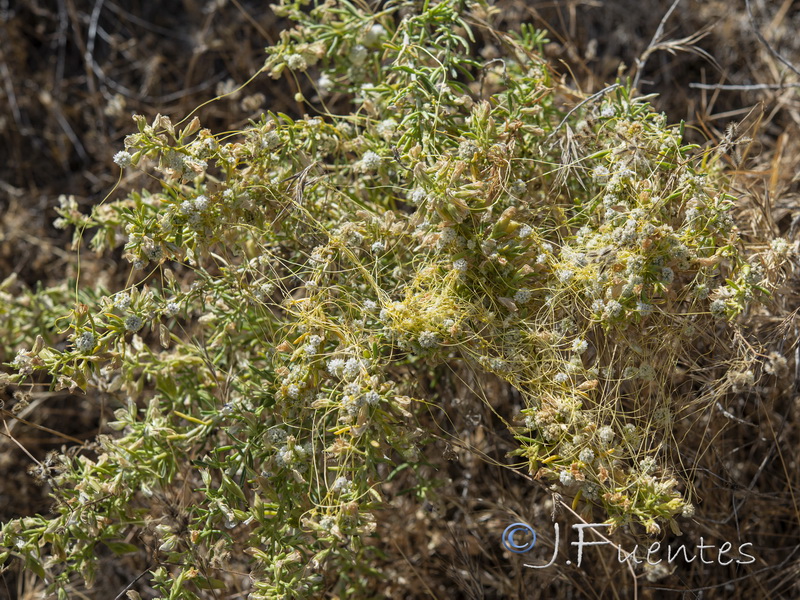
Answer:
x=292 y=281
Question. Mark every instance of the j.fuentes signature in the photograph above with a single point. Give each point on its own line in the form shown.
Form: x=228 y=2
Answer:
x=521 y=538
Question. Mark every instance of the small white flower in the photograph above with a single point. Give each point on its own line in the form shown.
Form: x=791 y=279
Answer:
x=370 y=161
x=579 y=346
x=648 y=465
x=188 y=208
x=351 y=368
x=358 y=55
x=606 y=434
x=608 y=111
x=378 y=247
x=566 y=478
x=522 y=296
x=134 y=323
x=561 y=377
x=266 y=290
x=123 y=159
x=460 y=265
x=272 y=140
x=296 y=62
x=341 y=484
x=518 y=189
x=386 y=128
x=336 y=367
x=324 y=84
x=647 y=372
x=201 y=203
x=630 y=372
x=586 y=455
x=564 y=275
x=374 y=35
x=692 y=214
x=418 y=196
x=701 y=291
x=467 y=150
x=780 y=246
x=613 y=309
x=447 y=235
x=428 y=339
x=122 y=300
x=85 y=342
x=718 y=308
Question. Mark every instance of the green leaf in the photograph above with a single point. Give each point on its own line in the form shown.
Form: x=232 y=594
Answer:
x=208 y=583
x=121 y=547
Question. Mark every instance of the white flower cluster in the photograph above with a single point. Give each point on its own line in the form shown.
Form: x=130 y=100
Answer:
x=417 y=196
x=193 y=209
x=122 y=300
x=292 y=457
x=648 y=465
x=23 y=362
x=608 y=111
x=345 y=369
x=467 y=150
x=85 y=342
x=296 y=62
x=564 y=275
x=781 y=246
x=134 y=323
x=566 y=478
x=600 y=173
x=428 y=339
x=312 y=345
x=386 y=129
x=374 y=35
x=369 y=162
x=123 y=158
x=605 y=434
x=358 y=55
x=718 y=307
x=522 y=296
x=518 y=188
x=579 y=346
x=341 y=484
